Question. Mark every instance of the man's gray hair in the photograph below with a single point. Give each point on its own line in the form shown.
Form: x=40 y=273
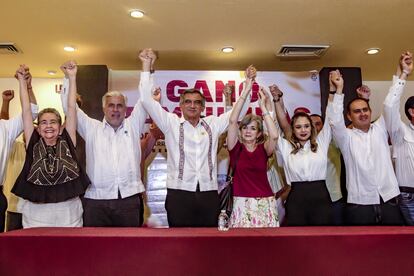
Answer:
x=193 y=91
x=113 y=94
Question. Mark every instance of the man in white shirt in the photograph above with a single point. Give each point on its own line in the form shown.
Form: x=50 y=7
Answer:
x=6 y=126
x=370 y=179
x=191 y=141
x=333 y=176
x=9 y=131
x=402 y=136
x=113 y=157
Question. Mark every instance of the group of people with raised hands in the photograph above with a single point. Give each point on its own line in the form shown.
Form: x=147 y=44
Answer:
x=56 y=191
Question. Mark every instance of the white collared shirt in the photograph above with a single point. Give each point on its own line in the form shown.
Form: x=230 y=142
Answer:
x=196 y=167
x=112 y=157
x=9 y=131
x=369 y=171
x=306 y=165
x=402 y=135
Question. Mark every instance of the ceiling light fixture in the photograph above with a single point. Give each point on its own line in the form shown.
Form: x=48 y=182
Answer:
x=136 y=14
x=373 y=51
x=227 y=49
x=69 y=48
x=52 y=72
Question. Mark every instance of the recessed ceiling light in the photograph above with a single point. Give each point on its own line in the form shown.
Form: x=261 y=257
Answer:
x=373 y=51
x=52 y=72
x=69 y=49
x=227 y=49
x=136 y=14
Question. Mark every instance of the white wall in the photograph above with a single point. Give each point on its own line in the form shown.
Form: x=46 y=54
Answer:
x=43 y=88
x=379 y=90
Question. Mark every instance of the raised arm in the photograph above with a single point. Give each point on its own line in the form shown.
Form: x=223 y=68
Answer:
x=233 y=128
x=25 y=103
x=227 y=92
x=392 y=115
x=83 y=121
x=335 y=115
x=7 y=96
x=32 y=98
x=406 y=66
x=28 y=77
x=270 y=143
x=70 y=70
x=149 y=141
x=224 y=119
x=280 y=110
x=364 y=92
x=154 y=109
x=336 y=85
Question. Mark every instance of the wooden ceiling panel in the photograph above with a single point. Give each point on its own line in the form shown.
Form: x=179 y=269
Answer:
x=190 y=33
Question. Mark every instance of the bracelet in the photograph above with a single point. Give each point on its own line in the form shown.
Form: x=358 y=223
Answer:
x=266 y=113
x=406 y=72
x=275 y=101
x=332 y=92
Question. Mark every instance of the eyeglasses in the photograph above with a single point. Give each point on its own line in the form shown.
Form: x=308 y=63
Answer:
x=190 y=102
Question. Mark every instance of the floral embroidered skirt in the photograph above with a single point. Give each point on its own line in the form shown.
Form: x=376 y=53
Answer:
x=254 y=212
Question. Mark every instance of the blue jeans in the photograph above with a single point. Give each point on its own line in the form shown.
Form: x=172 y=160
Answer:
x=406 y=202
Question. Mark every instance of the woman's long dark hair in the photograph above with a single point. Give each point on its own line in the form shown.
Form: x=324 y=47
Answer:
x=294 y=141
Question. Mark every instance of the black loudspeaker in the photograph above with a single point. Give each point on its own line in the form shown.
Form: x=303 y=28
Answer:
x=352 y=80
x=92 y=84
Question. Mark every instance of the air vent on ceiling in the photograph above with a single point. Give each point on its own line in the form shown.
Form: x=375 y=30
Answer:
x=302 y=51
x=9 y=48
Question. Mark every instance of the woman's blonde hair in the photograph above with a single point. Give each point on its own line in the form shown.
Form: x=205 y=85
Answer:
x=259 y=122
x=294 y=141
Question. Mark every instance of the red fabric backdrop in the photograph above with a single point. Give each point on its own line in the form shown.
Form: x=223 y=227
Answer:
x=190 y=251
